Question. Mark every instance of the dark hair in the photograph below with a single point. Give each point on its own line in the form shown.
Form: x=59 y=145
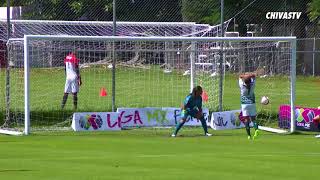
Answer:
x=247 y=81
x=195 y=89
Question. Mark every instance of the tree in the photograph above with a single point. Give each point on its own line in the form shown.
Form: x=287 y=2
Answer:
x=201 y=11
x=149 y=10
x=314 y=10
x=66 y=9
x=101 y=10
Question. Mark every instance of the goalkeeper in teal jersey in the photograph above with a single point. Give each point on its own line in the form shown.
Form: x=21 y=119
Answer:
x=247 y=83
x=192 y=106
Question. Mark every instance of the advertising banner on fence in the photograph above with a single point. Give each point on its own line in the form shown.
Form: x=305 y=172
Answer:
x=226 y=120
x=148 y=117
x=100 y=121
x=304 y=117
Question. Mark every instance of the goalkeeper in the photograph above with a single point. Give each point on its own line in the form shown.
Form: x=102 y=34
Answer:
x=73 y=79
x=248 y=107
x=192 y=106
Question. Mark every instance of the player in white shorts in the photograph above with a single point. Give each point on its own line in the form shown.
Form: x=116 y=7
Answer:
x=247 y=83
x=73 y=79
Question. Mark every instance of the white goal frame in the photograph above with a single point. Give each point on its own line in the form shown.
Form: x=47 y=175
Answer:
x=28 y=38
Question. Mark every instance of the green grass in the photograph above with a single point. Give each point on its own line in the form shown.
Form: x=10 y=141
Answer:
x=151 y=154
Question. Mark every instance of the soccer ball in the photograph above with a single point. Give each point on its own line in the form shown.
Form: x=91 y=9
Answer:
x=264 y=100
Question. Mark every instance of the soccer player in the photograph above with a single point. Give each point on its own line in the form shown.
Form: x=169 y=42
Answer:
x=73 y=79
x=192 y=106
x=248 y=107
x=316 y=120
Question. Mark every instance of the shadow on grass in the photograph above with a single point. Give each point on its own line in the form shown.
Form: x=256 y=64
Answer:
x=15 y=170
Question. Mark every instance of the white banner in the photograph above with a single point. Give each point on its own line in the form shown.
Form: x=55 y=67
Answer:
x=226 y=120
x=100 y=121
x=148 y=117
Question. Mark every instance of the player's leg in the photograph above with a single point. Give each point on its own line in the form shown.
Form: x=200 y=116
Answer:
x=67 y=90
x=246 y=116
x=75 y=90
x=75 y=100
x=204 y=124
x=252 y=114
x=255 y=126
x=64 y=100
x=184 y=115
x=247 y=126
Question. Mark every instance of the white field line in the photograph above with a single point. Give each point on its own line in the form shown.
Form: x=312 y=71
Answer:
x=308 y=154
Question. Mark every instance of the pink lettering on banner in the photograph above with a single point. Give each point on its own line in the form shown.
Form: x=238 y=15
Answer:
x=110 y=125
x=137 y=117
x=92 y=121
x=125 y=119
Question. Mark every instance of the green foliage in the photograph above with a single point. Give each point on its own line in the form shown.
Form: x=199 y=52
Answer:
x=100 y=10
x=201 y=11
x=149 y=10
x=314 y=10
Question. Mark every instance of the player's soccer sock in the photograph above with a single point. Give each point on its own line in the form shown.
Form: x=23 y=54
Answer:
x=247 y=124
x=255 y=125
x=178 y=127
x=204 y=125
x=64 y=100
x=75 y=101
x=256 y=128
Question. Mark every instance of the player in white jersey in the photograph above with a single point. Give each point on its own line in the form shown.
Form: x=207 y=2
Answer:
x=73 y=79
x=247 y=83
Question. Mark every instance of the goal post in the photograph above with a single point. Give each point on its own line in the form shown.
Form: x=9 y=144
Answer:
x=141 y=77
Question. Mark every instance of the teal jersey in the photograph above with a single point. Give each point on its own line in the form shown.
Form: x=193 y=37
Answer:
x=247 y=94
x=193 y=104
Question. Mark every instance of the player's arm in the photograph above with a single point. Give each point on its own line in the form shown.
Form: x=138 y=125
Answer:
x=186 y=103
x=65 y=69
x=247 y=75
x=199 y=105
x=78 y=74
x=199 y=113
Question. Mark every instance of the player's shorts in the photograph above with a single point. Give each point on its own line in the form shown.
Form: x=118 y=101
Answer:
x=71 y=86
x=248 y=109
x=185 y=114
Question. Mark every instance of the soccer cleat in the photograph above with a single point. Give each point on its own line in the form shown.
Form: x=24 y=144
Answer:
x=249 y=137
x=173 y=135
x=317 y=136
x=207 y=134
x=256 y=134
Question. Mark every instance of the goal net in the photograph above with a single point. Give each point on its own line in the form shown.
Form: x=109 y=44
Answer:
x=19 y=28
x=142 y=78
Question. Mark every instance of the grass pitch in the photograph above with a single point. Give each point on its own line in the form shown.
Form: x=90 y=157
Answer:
x=151 y=154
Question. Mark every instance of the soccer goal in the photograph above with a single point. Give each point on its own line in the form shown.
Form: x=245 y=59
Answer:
x=142 y=77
